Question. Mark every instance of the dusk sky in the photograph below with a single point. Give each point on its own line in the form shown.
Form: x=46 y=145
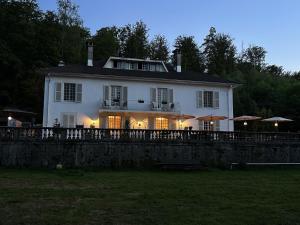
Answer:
x=273 y=24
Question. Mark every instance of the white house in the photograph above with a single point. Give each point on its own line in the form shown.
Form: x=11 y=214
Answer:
x=135 y=93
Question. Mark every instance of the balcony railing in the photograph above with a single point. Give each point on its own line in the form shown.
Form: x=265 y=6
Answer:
x=98 y=135
x=140 y=105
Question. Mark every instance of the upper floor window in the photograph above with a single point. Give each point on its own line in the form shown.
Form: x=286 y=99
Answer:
x=115 y=95
x=161 y=97
x=139 y=65
x=72 y=92
x=69 y=92
x=207 y=99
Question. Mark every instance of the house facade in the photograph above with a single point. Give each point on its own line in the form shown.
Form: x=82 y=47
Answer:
x=137 y=94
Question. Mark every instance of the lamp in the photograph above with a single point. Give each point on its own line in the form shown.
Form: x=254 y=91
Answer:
x=276 y=124
x=9 y=118
x=245 y=123
x=211 y=122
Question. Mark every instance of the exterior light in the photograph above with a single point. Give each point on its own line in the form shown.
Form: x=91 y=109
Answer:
x=245 y=123
x=9 y=118
x=211 y=122
x=276 y=124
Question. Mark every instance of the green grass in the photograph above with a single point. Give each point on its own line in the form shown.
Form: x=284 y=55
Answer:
x=38 y=197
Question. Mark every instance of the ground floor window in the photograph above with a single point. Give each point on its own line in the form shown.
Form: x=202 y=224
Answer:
x=209 y=125
x=161 y=123
x=114 y=122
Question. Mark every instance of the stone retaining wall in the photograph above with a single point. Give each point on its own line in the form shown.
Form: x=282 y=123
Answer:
x=72 y=154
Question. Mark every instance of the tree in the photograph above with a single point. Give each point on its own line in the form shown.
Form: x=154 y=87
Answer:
x=73 y=34
x=219 y=52
x=158 y=48
x=106 y=43
x=274 y=70
x=255 y=56
x=191 y=56
x=135 y=40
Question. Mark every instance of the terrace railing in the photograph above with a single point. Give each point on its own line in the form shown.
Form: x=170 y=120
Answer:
x=92 y=134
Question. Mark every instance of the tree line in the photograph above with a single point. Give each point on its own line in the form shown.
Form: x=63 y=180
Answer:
x=31 y=39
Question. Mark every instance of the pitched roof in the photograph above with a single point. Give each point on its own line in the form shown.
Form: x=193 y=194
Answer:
x=98 y=70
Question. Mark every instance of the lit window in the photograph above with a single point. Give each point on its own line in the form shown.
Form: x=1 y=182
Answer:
x=114 y=122
x=69 y=92
x=161 y=123
x=208 y=99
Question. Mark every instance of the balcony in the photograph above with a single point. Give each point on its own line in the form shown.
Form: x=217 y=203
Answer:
x=140 y=105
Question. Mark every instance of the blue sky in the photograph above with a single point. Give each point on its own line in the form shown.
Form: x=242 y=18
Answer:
x=273 y=24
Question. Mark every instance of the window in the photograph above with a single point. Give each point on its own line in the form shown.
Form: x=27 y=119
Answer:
x=161 y=123
x=133 y=66
x=145 y=66
x=69 y=92
x=208 y=99
x=72 y=92
x=114 y=122
x=209 y=125
x=115 y=95
x=69 y=120
x=162 y=96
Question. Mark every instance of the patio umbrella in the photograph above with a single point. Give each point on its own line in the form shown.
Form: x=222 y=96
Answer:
x=277 y=120
x=211 y=118
x=246 y=118
x=182 y=117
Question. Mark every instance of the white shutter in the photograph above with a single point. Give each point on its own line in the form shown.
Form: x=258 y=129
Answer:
x=153 y=94
x=217 y=125
x=124 y=96
x=170 y=95
x=57 y=92
x=151 y=123
x=201 y=125
x=71 y=120
x=216 y=99
x=65 y=120
x=105 y=92
x=78 y=93
x=199 y=99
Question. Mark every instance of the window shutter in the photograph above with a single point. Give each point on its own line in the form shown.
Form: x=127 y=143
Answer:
x=57 y=94
x=153 y=94
x=78 y=93
x=105 y=92
x=151 y=123
x=124 y=96
x=71 y=121
x=170 y=95
x=65 y=121
x=216 y=99
x=217 y=125
x=201 y=125
x=199 y=99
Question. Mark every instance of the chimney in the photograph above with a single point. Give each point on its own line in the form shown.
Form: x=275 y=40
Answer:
x=90 y=53
x=178 y=62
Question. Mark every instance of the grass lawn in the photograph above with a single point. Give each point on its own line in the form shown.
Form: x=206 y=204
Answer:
x=37 y=197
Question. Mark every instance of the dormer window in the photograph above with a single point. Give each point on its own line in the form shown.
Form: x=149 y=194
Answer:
x=135 y=64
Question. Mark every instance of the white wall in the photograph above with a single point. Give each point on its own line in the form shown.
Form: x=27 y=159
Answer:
x=92 y=94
